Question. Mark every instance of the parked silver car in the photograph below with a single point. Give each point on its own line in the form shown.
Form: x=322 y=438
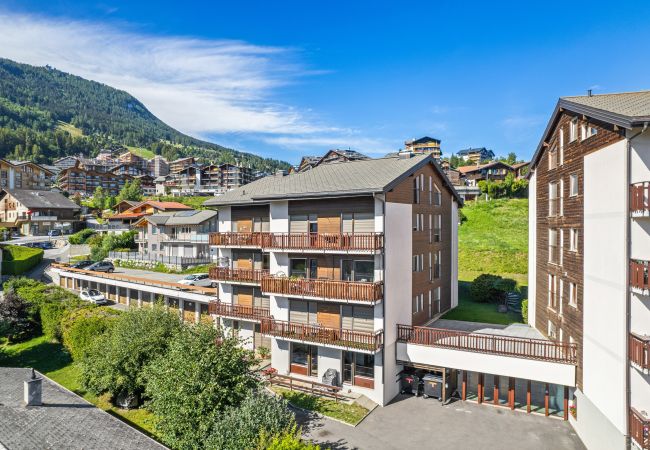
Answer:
x=198 y=279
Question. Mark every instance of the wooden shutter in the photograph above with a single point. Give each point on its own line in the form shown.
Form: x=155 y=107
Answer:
x=329 y=224
x=245 y=296
x=329 y=315
x=364 y=223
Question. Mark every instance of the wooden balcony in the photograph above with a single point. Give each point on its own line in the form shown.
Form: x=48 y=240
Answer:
x=487 y=343
x=639 y=275
x=357 y=291
x=237 y=275
x=240 y=311
x=640 y=199
x=344 y=242
x=349 y=339
x=638 y=349
x=640 y=429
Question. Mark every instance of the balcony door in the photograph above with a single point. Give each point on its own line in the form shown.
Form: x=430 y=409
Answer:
x=359 y=270
x=304 y=359
x=303 y=267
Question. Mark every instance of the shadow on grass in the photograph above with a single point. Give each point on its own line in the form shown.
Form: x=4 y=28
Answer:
x=133 y=424
x=44 y=356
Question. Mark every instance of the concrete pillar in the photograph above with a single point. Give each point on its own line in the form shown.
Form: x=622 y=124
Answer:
x=197 y=312
x=181 y=308
x=139 y=299
x=128 y=296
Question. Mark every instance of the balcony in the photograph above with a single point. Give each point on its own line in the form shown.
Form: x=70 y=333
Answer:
x=540 y=349
x=325 y=242
x=640 y=199
x=323 y=289
x=640 y=429
x=197 y=238
x=347 y=339
x=638 y=349
x=639 y=276
x=228 y=310
x=238 y=275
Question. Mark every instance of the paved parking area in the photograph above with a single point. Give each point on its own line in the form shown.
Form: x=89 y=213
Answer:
x=412 y=423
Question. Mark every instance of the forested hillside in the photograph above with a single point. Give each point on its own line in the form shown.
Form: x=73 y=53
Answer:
x=46 y=114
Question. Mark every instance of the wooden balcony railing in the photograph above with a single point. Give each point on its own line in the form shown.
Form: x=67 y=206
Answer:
x=640 y=198
x=640 y=429
x=241 y=275
x=245 y=312
x=325 y=289
x=639 y=274
x=357 y=340
x=638 y=349
x=301 y=241
x=487 y=343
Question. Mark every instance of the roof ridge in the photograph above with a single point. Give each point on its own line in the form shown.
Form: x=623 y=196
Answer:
x=604 y=94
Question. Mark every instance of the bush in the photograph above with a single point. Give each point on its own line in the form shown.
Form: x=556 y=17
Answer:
x=115 y=362
x=488 y=288
x=81 y=237
x=241 y=427
x=18 y=322
x=206 y=380
x=101 y=245
x=524 y=311
x=81 y=327
x=17 y=259
x=287 y=440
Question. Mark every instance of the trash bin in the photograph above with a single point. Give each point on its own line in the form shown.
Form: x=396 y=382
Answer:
x=410 y=383
x=432 y=386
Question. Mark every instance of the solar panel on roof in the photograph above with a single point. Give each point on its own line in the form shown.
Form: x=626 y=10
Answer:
x=189 y=213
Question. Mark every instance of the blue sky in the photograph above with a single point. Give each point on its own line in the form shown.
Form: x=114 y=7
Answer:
x=283 y=79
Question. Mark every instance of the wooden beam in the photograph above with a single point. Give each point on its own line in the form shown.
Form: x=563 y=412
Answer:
x=480 y=388
x=464 y=386
x=495 y=393
x=566 y=402
x=511 y=392
x=546 y=399
x=528 y=396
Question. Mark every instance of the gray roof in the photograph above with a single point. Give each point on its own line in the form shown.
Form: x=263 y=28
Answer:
x=64 y=421
x=188 y=217
x=360 y=177
x=42 y=199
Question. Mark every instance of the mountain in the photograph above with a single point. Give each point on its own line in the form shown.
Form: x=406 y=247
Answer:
x=46 y=114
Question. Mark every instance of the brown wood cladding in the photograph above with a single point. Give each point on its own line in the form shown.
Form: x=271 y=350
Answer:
x=332 y=207
x=248 y=212
x=572 y=269
x=403 y=193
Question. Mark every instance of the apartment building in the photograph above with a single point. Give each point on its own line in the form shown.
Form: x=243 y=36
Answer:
x=137 y=210
x=24 y=175
x=78 y=179
x=181 y=163
x=324 y=264
x=426 y=145
x=589 y=247
x=476 y=155
x=35 y=212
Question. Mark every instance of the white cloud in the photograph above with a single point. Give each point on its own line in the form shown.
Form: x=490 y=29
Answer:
x=198 y=86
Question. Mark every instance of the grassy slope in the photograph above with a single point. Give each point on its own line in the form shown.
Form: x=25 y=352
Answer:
x=74 y=131
x=52 y=360
x=141 y=152
x=494 y=239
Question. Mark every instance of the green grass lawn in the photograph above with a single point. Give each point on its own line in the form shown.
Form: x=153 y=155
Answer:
x=494 y=238
x=141 y=152
x=52 y=360
x=74 y=131
x=351 y=414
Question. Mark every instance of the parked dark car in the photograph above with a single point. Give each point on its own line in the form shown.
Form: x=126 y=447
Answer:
x=82 y=264
x=102 y=266
x=54 y=233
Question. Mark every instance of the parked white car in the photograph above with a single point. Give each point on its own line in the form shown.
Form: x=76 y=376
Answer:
x=93 y=296
x=198 y=279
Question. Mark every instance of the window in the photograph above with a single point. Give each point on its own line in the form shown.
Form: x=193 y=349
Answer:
x=356 y=365
x=553 y=254
x=416 y=263
x=573 y=295
x=430 y=190
x=437 y=263
x=552 y=331
x=437 y=196
x=430 y=228
x=552 y=291
x=552 y=199
x=561 y=288
x=561 y=139
x=561 y=249
x=436 y=299
x=360 y=270
x=587 y=131
x=418 y=305
x=573 y=129
x=416 y=225
x=416 y=190
x=573 y=239
x=437 y=228
x=552 y=158
x=430 y=267
x=573 y=185
x=560 y=209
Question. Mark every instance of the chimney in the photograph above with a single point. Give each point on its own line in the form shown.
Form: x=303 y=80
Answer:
x=33 y=387
x=589 y=93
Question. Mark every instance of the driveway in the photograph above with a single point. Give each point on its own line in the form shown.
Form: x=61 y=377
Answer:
x=411 y=423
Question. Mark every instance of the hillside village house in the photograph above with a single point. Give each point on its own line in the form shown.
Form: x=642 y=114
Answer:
x=327 y=262
x=35 y=212
x=24 y=175
x=492 y=171
x=589 y=247
x=476 y=155
x=137 y=210
x=425 y=145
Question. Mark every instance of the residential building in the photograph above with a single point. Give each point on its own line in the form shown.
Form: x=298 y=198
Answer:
x=158 y=166
x=589 y=247
x=130 y=215
x=331 y=156
x=66 y=162
x=77 y=179
x=105 y=155
x=177 y=238
x=24 y=175
x=181 y=163
x=492 y=171
x=476 y=155
x=199 y=179
x=426 y=145
x=521 y=169
x=131 y=159
x=323 y=264
x=234 y=176
x=35 y=212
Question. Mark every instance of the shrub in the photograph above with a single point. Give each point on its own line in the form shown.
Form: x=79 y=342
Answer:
x=81 y=327
x=115 y=361
x=524 y=311
x=287 y=440
x=17 y=259
x=241 y=427
x=206 y=380
x=488 y=288
x=81 y=237
x=18 y=321
x=264 y=352
x=101 y=245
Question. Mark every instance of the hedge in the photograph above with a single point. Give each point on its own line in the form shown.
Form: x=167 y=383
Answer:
x=17 y=259
x=80 y=237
